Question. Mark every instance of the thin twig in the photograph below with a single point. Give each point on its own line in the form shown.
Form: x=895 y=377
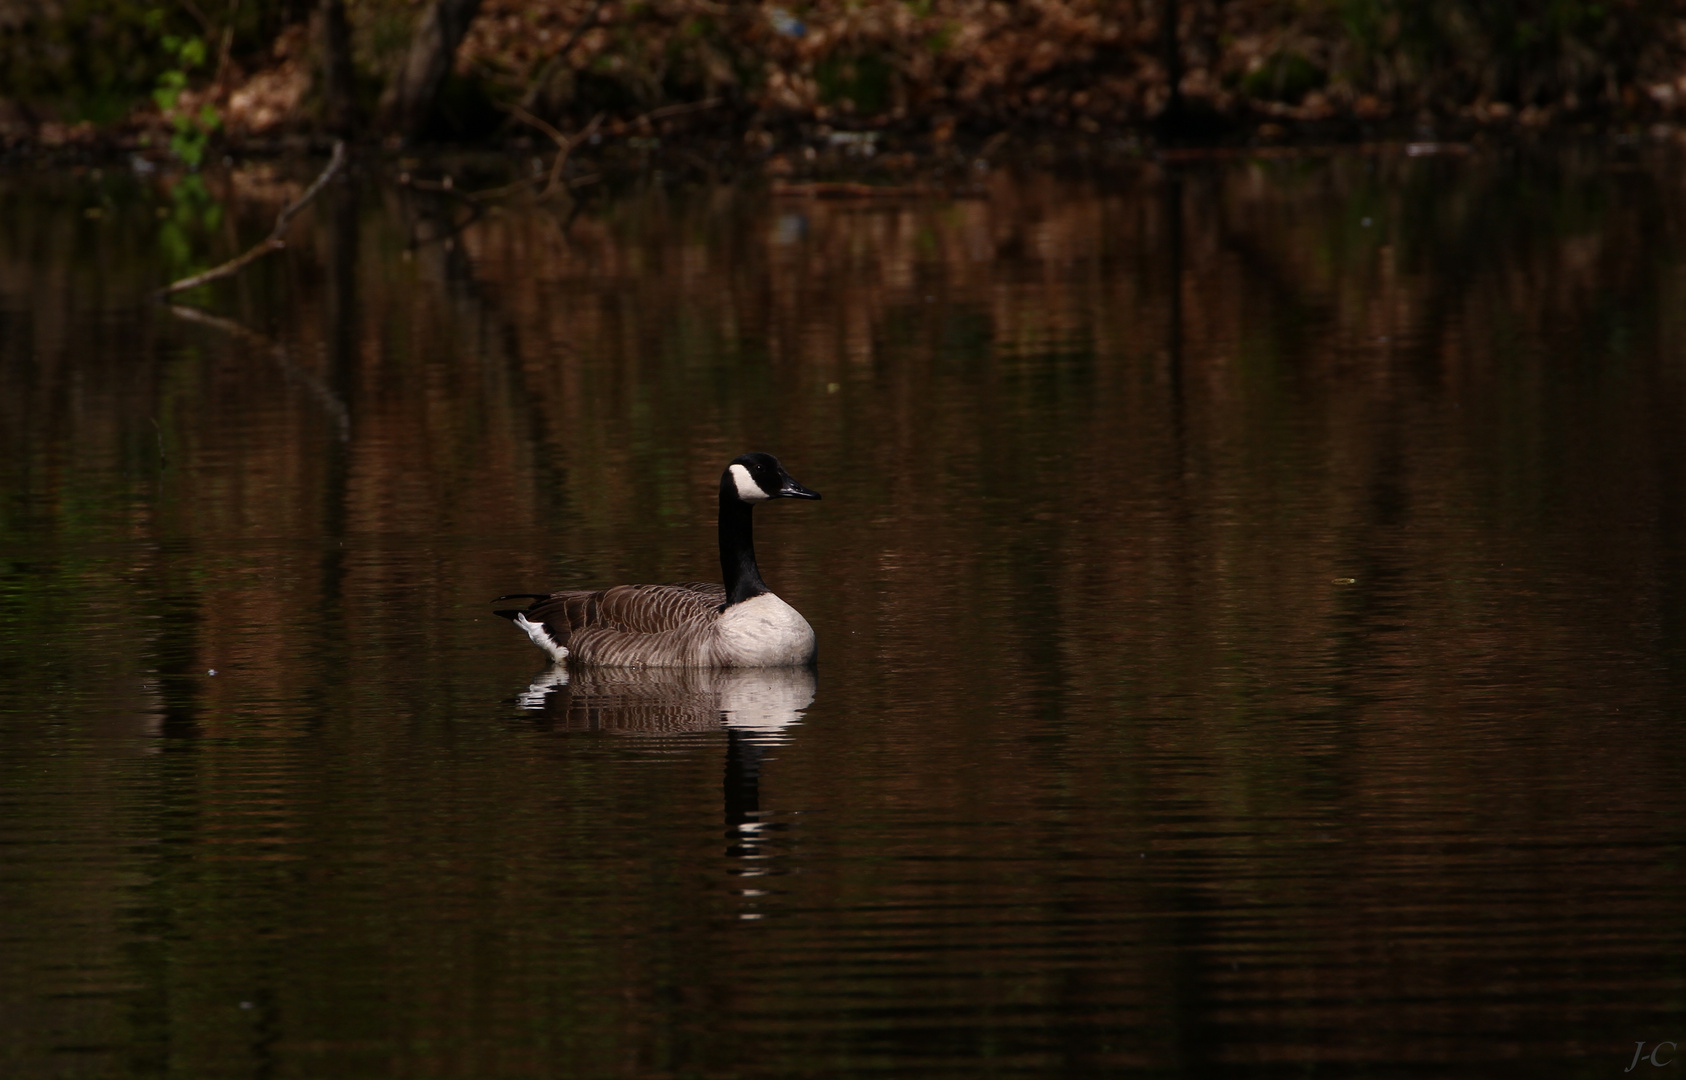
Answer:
x=315 y=189
x=194 y=10
x=845 y=190
x=507 y=189
x=439 y=187
x=525 y=115
x=643 y=121
x=564 y=144
x=562 y=154
x=225 y=54
x=276 y=238
x=679 y=109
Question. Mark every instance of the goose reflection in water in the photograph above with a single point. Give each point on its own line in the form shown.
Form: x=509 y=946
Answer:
x=752 y=705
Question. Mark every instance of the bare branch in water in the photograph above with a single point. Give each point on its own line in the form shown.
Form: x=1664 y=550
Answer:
x=564 y=144
x=276 y=238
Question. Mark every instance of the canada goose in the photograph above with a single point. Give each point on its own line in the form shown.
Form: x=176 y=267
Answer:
x=692 y=624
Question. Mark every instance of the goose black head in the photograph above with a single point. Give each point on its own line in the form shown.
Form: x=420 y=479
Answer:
x=753 y=478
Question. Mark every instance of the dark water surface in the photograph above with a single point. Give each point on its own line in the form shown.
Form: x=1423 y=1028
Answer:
x=1252 y=606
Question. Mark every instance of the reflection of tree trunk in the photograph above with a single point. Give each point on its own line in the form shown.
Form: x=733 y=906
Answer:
x=408 y=102
x=1173 y=210
x=1170 y=48
x=339 y=313
x=340 y=337
x=333 y=37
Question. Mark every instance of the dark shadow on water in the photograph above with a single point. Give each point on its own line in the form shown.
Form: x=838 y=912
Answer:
x=1253 y=603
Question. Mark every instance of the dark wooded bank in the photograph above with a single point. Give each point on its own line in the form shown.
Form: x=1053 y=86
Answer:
x=184 y=77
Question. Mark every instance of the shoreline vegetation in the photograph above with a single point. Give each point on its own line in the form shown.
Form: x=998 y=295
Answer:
x=791 y=87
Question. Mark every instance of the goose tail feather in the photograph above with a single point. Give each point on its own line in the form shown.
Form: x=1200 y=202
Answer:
x=513 y=613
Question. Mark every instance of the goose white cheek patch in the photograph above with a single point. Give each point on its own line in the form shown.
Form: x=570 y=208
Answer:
x=748 y=489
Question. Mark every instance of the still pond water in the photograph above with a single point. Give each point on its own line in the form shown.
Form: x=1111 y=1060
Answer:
x=1251 y=599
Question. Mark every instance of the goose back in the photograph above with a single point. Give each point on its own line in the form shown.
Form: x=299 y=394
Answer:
x=648 y=625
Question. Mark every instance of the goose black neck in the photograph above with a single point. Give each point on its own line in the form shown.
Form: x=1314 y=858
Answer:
x=738 y=571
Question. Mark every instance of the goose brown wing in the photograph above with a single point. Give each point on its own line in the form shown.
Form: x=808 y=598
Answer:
x=655 y=609
x=627 y=609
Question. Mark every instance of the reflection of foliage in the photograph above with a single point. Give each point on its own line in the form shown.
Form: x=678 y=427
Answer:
x=195 y=213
